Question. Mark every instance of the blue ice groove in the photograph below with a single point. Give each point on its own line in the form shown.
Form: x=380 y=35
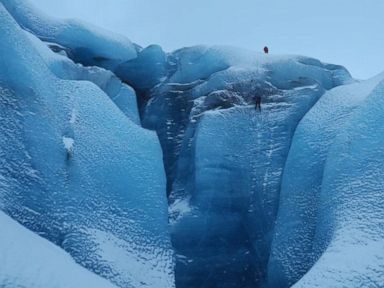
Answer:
x=286 y=195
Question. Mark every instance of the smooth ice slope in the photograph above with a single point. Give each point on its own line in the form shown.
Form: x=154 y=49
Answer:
x=86 y=44
x=28 y=260
x=147 y=70
x=121 y=94
x=77 y=171
x=296 y=244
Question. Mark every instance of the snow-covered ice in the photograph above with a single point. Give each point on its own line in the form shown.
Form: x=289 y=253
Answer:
x=113 y=180
x=28 y=260
x=288 y=193
x=294 y=251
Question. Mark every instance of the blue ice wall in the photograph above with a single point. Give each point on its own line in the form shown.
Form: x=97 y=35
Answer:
x=86 y=44
x=77 y=171
x=288 y=192
x=121 y=94
x=349 y=228
x=224 y=159
x=293 y=250
x=147 y=70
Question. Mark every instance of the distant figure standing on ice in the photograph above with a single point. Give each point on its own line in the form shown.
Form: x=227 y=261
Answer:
x=258 y=103
x=266 y=50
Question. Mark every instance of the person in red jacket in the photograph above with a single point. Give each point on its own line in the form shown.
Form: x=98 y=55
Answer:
x=266 y=50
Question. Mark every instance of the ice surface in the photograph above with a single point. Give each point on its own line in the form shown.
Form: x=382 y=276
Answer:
x=147 y=70
x=111 y=182
x=121 y=94
x=293 y=251
x=28 y=260
x=87 y=44
x=289 y=192
x=350 y=216
x=224 y=159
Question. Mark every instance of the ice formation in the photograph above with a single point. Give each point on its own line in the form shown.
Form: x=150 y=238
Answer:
x=286 y=194
x=86 y=44
x=28 y=260
x=310 y=212
x=77 y=171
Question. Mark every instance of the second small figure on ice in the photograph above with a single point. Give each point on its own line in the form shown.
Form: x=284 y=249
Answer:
x=258 y=103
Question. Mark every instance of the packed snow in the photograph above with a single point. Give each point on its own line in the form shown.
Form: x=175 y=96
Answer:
x=28 y=260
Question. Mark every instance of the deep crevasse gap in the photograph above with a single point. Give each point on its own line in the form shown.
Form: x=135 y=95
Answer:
x=224 y=159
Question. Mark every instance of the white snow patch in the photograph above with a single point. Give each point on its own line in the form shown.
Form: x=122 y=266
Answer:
x=142 y=263
x=73 y=116
x=28 y=260
x=179 y=209
x=68 y=143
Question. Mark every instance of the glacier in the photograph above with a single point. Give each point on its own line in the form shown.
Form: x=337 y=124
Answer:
x=85 y=43
x=137 y=167
x=350 y=232
x=304 y=199
x=100 y=196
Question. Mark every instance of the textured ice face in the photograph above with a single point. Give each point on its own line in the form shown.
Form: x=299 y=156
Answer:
x=349 y=229
x=273 y=163
x=121 y=94
x=39 y=263
x=77 y=171
x=297 y=242
x=86 y=44
x=224 y=157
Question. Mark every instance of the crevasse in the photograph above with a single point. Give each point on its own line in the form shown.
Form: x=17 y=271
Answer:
x=288 y=194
